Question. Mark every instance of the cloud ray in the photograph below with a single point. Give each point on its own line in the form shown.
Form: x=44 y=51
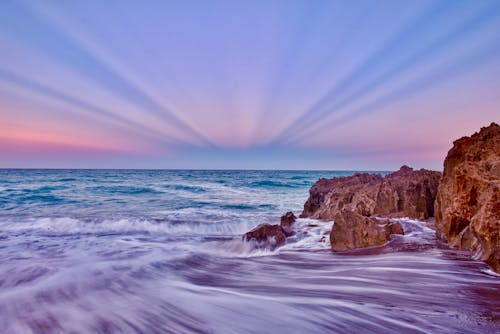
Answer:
x=439 y=76
x=399 y=68
x=89 y=108
x=432 y=14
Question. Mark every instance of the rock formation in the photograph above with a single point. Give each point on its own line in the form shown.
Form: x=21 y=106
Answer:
x=405 y=193
x=273 y=234
x=468 y=200
x=349 y=201
x=352 y=230
x=465 y=202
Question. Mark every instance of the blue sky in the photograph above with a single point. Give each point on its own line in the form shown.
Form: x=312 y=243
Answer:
x=244 y=84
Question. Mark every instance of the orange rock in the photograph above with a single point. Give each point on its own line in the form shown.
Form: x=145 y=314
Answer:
x=405 y=193
x=352 y=230
x=468 y=200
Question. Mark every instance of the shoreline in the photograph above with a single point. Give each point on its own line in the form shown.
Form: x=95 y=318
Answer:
x=470 y=182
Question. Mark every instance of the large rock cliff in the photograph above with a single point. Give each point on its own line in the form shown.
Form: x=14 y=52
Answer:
x=405 y=193
x=468 y=200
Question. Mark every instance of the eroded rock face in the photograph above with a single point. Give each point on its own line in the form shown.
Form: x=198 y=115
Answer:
x=327 y=197
x=468 y=200
x=352 y=230
x=413 y=193
x=405 y=193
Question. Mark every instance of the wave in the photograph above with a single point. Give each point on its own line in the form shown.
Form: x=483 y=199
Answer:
x=47 y=188
x=125 y=190
x=66 y=225
x=300 y=177
x=247 y=206
x=45 y=198
x=273 y=184
x=204 y=187
x=67 y=179
x=309 y=234
x=188 y=188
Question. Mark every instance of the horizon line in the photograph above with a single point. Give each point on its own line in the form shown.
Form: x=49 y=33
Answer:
x=205 y=169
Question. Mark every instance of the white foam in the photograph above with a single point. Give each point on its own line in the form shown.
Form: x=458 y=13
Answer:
x=490 y=272
x=238 y=248
x=310 y=234
x=413 y=227
x=75 y=226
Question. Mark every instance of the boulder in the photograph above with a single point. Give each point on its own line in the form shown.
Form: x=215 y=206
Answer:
x=468 y=200
x=405 y=193
x=274 y=234
x=352 y=230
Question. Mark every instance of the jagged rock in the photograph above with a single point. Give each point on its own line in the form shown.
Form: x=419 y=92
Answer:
x=275 y=234
x=327 y=197
x=405 y=193
x=468 y=200
x=352 y=230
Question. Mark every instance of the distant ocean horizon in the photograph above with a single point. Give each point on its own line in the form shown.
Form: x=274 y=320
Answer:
x=207 y=169
x=161 y=251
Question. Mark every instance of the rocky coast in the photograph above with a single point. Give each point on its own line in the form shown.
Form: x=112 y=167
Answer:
x=464 y=200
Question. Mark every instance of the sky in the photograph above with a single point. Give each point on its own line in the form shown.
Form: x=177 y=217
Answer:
x=324 y=85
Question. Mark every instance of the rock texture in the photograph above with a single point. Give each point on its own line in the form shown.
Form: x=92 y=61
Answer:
x=405 y=193
x=468 y=200
x=352 y=230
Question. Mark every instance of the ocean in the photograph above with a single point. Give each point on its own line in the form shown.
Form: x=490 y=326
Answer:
x=160 y=251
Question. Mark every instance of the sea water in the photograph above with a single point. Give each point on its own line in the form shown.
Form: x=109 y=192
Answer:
x=160 y=251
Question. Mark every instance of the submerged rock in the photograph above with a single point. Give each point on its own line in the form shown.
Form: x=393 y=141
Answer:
x=468 y=200
x=352 y=230
x=405 y=193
